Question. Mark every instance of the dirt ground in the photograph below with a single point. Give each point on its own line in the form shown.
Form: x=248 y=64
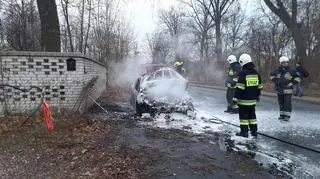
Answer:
x=114 y=145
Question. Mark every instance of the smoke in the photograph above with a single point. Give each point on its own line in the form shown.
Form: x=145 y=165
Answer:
x=124 y=73
x=168 y=90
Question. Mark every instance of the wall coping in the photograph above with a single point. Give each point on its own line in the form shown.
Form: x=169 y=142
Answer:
x=49 y=54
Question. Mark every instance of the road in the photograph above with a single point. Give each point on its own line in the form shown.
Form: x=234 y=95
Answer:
x=302 y=129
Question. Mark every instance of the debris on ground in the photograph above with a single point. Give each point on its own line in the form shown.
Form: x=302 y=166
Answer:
x=113 y=145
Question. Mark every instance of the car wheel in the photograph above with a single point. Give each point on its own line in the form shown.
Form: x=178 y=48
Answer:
x=138 y=109
x=152 y=113
x=190 y=107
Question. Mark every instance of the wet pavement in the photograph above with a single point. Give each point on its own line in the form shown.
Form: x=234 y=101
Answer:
x=180 y=153
x=302 y=129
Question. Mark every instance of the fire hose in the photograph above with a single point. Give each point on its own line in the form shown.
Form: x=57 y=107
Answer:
x=272 y=137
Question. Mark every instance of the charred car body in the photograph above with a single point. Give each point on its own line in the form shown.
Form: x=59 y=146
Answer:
x=162 y=91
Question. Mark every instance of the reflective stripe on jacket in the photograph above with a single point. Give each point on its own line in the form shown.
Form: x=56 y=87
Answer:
x=248 y=87
x=284 y=79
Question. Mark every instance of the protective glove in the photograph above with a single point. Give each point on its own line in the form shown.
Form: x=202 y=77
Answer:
x=290 y=85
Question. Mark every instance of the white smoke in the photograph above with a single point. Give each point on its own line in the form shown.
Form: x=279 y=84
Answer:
x=124 y=73
x=168 y=90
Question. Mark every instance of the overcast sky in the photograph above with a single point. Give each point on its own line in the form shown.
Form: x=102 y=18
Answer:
x=143 y=13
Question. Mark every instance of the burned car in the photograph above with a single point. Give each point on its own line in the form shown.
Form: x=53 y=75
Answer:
x=162 y=91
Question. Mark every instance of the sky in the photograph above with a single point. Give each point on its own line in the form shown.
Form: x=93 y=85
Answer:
x=144 y=13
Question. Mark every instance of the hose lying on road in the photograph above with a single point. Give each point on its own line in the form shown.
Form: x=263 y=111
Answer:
x=271 y=137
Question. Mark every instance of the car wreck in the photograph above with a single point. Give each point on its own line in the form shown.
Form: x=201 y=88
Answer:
x=162 y=91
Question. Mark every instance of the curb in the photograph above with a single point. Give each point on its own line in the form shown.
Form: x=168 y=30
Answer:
x=305 y=99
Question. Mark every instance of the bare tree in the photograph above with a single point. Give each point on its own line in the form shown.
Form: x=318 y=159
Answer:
x=50 y=28
x=22 y=26
x=65 y=11
x=233 y=28
x=310 y=17
x=217 y=9
x=159 y=47
x=201 y=25
x=2 y=36
x=279 y=35
x=96 y=28
x=267 y=40
x=111 y=35
x=90 y=8
x=83 y=24
x=291 y=22
x=173 y=20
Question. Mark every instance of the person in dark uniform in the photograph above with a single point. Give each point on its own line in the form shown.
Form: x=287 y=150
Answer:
x=285 y=78
x=303 y=74
x=231 y=81
x=247 y=94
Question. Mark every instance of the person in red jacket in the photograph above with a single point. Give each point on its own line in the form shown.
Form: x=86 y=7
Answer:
x=246 y=96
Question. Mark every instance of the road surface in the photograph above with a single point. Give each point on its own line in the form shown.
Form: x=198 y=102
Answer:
x=302 y=129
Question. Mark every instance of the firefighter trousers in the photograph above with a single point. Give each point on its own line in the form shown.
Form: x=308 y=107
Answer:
x=248 y=119
x=230 y=95
x=285 y=104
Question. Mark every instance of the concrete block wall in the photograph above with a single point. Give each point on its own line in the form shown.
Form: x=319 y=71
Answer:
x=48 y=70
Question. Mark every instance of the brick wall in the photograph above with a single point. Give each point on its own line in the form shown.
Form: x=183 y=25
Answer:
x=53 y=72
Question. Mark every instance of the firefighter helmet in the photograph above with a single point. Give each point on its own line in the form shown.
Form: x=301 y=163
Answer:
x=283 y=59
x=244 y=59
x=232 y=59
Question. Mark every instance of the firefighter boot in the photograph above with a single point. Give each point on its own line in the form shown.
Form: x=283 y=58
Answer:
x=243 y=131
x=281 y=117
x=229 y=109
x=286 y=118
x=254 y=129
x=234 y=111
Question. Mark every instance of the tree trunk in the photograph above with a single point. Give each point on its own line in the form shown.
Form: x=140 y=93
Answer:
x=292 y=25
x=81 y=27
x=50 y=29
x=218 y=39
x=299 y=42
x=88 y=28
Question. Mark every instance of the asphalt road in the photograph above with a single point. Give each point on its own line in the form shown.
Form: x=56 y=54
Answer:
x=302 y=129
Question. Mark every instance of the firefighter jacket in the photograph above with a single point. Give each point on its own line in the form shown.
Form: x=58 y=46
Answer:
x=232 y=73
x=302 y=71
x=284 y=79
x=248 y=87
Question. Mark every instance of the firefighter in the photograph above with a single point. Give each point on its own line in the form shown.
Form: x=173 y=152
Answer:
x=178 y=66
x=232 y=78
x=246 y=96
x=303 y=74
x=285 y=78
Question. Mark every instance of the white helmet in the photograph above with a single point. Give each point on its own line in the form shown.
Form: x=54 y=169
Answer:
x=283 y=59
x=232 y=59
x=244 y=59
